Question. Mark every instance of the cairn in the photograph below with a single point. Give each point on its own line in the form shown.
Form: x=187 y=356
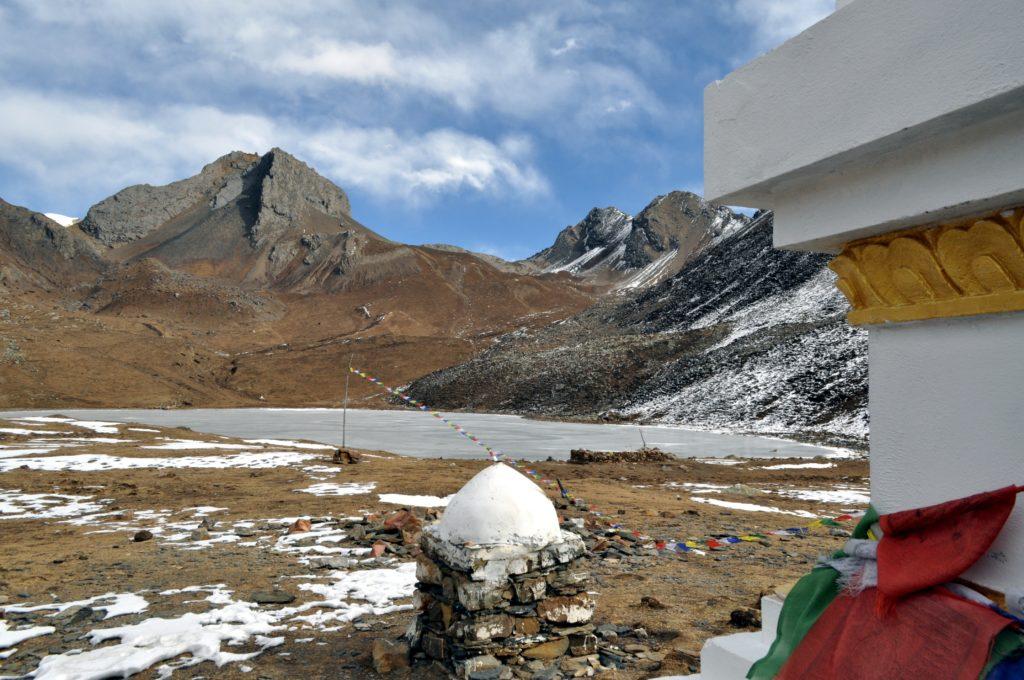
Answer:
x=502 y=591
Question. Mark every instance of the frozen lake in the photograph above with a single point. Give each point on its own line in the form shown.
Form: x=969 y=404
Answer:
x=414 y=433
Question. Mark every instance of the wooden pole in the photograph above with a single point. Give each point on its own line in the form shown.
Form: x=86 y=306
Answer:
x=344 y=408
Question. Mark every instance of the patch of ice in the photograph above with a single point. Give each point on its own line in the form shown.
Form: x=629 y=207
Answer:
x=332 y=489
x=194 y=445
x=750 y=507
x=287 y=442
x=414 y=501
x=719 y=461
x=9 y=638
x=82 y=440
x=92 y=462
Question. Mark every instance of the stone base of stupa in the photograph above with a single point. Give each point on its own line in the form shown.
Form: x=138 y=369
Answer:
x=500 y=608
x=502 y=598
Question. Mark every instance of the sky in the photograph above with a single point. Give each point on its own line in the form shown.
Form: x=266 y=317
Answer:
x=489 y=125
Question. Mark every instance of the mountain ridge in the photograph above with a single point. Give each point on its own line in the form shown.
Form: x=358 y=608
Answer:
x=744 y=338
x=611 y=247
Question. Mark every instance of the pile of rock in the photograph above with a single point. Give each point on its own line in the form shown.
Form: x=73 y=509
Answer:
x=502 y=589
x=644 y=455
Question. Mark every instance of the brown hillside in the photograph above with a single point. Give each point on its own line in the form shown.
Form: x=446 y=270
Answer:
x=247 y=284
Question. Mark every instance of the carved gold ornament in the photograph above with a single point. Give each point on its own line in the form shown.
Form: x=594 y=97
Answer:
x=968 y=267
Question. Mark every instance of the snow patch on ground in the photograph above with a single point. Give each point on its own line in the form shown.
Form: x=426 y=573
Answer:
x=121 y=604
x=414 y=501
x=376 y=588
x=99 y=426
x=845 y=496
x=332 y=489
x=91 y=462
x=799 y=466
x=10 y=453
x=750 y=507
x=145 y=644
x=17 y=505
x=9 y=638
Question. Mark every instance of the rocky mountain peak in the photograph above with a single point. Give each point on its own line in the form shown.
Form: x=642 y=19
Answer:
x=288 y=189
x=135 y=211
x=274 y=192
x=610 y=246
x=603 y=226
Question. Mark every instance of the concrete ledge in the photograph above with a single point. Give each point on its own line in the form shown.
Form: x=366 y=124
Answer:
x=729 y=657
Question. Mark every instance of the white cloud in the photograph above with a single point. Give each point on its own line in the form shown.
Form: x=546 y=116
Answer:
x=101 y=145
x=385 y=162
x=401 y=51
x=775 y=21
x=349 y=61
x=569 y=45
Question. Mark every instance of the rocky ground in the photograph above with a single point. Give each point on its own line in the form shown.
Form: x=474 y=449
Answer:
x=147 y=549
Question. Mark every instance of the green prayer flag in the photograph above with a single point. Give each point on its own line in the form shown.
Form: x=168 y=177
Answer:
x=808 y=599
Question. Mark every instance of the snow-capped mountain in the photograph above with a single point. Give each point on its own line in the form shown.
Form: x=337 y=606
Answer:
x=744 y=338
x=628 y=253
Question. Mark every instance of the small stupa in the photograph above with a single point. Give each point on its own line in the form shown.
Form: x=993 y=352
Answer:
x=500 y=584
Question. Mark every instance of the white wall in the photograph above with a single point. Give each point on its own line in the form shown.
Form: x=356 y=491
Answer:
x=876 y=78
x=947 y=420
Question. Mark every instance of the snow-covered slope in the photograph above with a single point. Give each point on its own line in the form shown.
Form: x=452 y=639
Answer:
x=745 y=338
x=62 y=220
x=611 y=247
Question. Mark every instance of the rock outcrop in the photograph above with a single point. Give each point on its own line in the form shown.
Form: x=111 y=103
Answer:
x=35 y=251
x=135 y=211
x=289 y=192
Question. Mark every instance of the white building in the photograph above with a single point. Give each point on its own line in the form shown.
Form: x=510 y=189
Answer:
x=892 y=134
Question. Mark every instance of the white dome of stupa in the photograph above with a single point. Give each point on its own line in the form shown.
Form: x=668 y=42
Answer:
x=500 y=506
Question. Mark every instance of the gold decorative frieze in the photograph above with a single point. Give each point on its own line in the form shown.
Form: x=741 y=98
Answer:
x=962 y=268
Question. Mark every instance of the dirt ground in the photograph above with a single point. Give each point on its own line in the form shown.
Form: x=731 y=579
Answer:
x=87 y=553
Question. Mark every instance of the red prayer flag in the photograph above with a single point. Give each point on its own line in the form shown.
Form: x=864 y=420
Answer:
x=925 y=547
x=931 y=634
